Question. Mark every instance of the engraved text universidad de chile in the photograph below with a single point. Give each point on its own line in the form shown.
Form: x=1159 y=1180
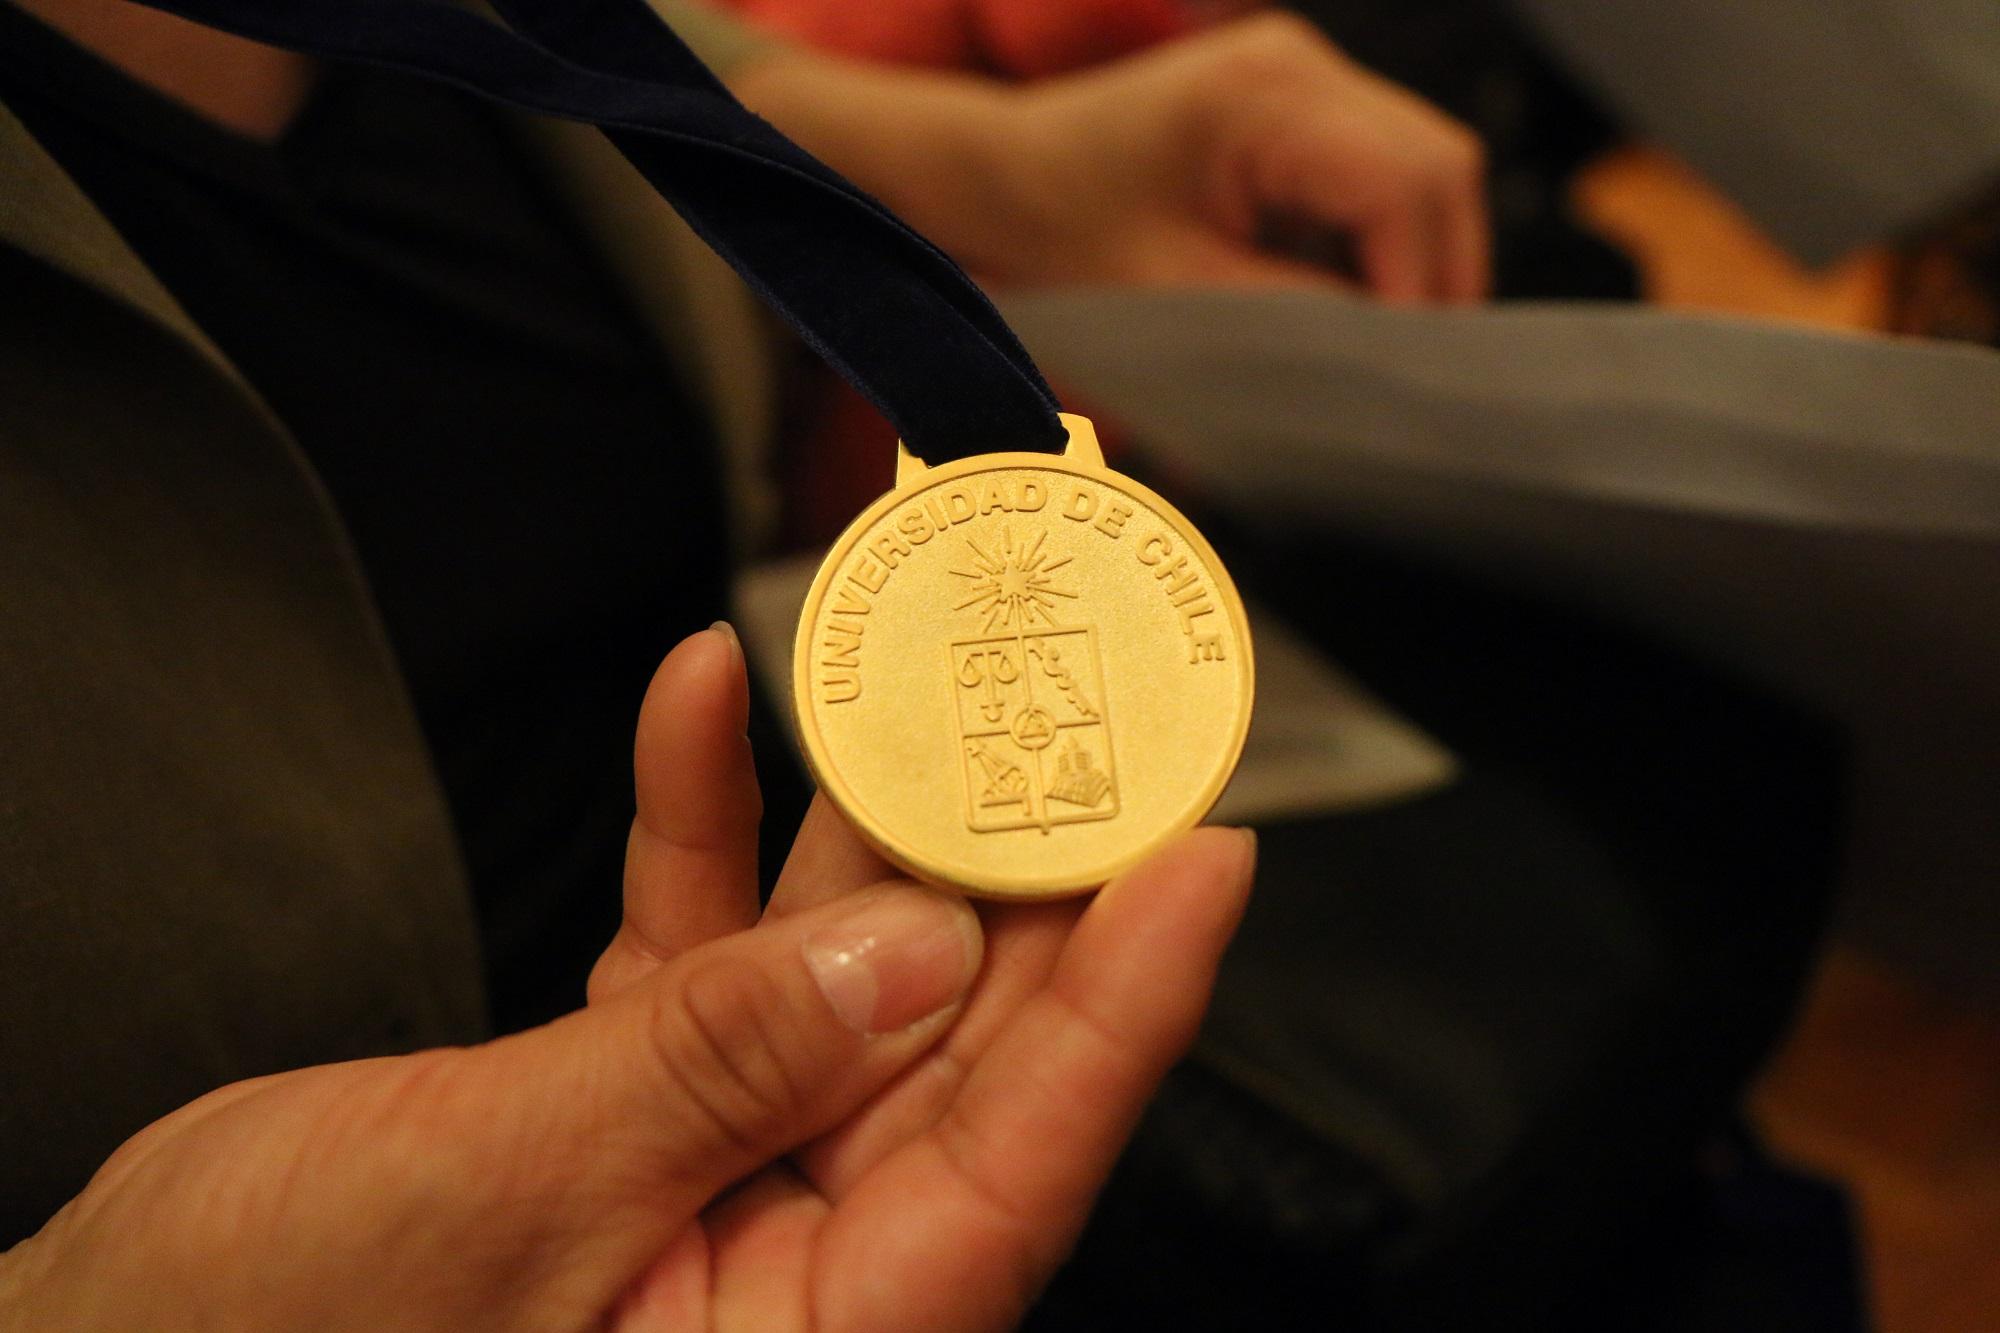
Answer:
x=850 y=597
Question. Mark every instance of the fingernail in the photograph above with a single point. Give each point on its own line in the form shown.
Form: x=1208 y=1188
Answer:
x=900 y=956
x=728 y=631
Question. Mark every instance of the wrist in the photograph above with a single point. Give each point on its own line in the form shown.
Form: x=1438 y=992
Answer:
x=23 y=1274
x=949 y=153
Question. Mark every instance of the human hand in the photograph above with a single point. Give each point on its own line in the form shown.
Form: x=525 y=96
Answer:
x=1164 y=168
x=838 y=1116
x=947 y=1199
x=1161 y=168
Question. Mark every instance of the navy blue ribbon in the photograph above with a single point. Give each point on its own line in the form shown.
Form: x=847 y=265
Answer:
x=885 y=307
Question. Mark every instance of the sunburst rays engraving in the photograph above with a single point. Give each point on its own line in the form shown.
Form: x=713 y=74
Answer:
x=1012 y=586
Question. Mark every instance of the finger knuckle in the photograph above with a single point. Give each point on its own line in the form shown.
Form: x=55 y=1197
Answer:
x=727 y=1045
x=1275 y=44
x=1283 y=27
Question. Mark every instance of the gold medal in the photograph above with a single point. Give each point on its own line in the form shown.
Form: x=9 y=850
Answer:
x=1018 y=674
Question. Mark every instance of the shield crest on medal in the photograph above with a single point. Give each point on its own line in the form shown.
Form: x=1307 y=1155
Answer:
x=1034 y=734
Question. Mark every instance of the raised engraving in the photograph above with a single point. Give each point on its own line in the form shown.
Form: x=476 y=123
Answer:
x=1078 y=781
x=1186 y=593
x=1049 y=654
x=1110 y=520
x=1005 y=783
x=1012 y=585
x=1028 y=695
x=1032 y=728
x=989 y=669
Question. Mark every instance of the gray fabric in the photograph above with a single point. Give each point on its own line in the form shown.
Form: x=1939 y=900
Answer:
x=44 y=214
x=1833 y=122
x=1622 y=405
x=1821 y=512
x=222 y=852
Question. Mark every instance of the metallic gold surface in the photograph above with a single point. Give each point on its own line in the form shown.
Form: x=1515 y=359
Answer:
x=1019 y=674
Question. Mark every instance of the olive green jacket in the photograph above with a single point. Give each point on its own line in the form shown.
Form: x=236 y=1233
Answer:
x=223 y=850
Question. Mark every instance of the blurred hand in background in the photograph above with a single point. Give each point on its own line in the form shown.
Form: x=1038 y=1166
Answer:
x=1170 y=166
x=1178 y=165
x=1025 y=39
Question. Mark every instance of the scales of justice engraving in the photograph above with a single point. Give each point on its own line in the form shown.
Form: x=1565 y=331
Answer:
x=1033 y=732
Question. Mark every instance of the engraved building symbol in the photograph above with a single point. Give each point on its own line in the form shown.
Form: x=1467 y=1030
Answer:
x=1033 y=734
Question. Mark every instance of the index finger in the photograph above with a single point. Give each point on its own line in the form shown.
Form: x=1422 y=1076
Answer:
x=828 y=859
x=983 y=1206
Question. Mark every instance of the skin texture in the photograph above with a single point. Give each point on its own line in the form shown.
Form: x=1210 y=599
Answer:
x=711 y=1143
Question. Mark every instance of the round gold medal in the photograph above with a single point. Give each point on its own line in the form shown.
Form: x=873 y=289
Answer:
x=1019 y=674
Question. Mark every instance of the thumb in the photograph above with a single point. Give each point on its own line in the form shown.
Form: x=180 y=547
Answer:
x=742 y=1049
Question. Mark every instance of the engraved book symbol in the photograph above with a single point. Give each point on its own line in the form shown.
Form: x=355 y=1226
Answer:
x=1028 y=702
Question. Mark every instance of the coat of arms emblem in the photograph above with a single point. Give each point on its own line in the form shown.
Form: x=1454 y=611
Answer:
x=1033 y=732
